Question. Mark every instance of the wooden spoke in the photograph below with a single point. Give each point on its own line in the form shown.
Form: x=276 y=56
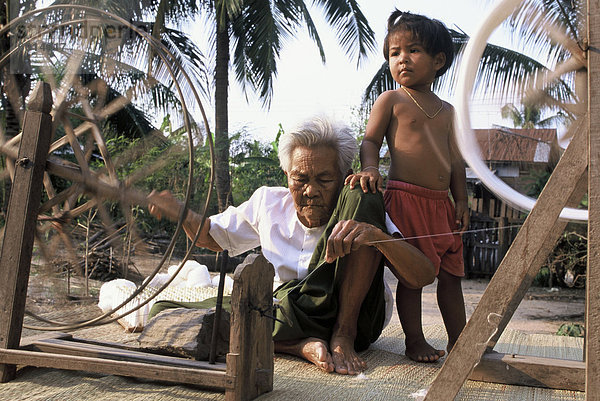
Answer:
x=79 y=210
x=101 y=143
x=53 y=201
x=81 y=129
x=69 y=79
x=536 y=93
x=76 y=147
x=100 y=88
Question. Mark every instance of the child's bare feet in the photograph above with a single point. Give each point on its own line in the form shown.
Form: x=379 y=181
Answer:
x=421 y=351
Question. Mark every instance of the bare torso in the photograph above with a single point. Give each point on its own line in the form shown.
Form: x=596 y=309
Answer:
x=419 y=146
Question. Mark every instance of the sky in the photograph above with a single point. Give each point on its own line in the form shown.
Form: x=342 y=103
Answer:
x=305 y=87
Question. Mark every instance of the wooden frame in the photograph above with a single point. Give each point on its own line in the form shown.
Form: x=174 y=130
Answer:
x=248 y=371
x=579 y=165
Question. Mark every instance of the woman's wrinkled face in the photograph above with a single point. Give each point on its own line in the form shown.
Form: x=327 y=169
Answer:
x=314 y=180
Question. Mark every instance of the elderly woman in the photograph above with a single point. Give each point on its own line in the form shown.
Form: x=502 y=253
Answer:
x=326 y=243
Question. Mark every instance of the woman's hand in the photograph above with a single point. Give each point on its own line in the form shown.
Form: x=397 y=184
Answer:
x=348 y=236
x=164 y=204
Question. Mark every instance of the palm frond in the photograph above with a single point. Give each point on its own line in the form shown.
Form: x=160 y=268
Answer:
x=128 y=10
x=510 y=111
x=381 y=82
x=534 y=22
x=257 y=34
x=559 y=118
x=227 y=8
x=509 y=73
x=191 y=58
x=354 y=33
x=304 y=15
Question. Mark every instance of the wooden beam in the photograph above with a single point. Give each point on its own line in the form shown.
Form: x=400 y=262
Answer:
x=25 y=198
x=250 y=357
x=530 y=371
x=49 y=335
x=592 y=318
x=75 y=348
x=176 y=374
x=515 y=267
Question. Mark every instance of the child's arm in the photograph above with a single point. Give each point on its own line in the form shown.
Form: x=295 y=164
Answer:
x=458 y=183
x=369 y=177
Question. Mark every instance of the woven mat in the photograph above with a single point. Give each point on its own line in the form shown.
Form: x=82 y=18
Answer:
x=391 y=376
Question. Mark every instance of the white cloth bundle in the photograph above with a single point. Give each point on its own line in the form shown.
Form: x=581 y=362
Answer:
x=192 y=284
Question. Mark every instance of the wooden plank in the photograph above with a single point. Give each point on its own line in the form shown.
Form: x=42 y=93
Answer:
x=25 y=198
x=70 y=347
x=503 y=236
x=530 y=371
x=250 y=358
x=592 y=318
x=28 y=341
x=514 y=268
x=176 y=374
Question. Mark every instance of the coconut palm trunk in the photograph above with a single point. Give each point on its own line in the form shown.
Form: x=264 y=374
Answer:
x=222 y=179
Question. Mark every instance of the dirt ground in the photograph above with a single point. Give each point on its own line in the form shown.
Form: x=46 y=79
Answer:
x=543 y=310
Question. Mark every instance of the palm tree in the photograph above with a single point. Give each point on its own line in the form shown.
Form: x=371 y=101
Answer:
x=506 y=72
x=529 y=116
x=254 y=31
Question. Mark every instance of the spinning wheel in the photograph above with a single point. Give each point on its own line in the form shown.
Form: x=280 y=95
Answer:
x=99 y=83
x=564 y=88
x=576 y=171
x=96 y=85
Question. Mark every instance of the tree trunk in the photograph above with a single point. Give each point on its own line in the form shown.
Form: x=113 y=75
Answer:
x=223 y=181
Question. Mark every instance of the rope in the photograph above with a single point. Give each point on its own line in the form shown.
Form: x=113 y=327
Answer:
x=278 y=301
x=442 y=234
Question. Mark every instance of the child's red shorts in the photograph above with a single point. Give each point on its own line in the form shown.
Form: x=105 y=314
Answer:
x=425 y=213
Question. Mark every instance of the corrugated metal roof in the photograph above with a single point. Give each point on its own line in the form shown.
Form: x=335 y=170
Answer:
x=516 y=145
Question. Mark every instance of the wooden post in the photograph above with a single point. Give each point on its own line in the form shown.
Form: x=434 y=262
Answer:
x=250 y=357
x=25 y=197
x=533 y=239
x=503 y=237
x=592 y=318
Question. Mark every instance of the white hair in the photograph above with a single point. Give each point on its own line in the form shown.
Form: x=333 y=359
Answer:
x=316 y=132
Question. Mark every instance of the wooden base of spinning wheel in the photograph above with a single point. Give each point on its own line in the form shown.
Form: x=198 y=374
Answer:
x=248 y=371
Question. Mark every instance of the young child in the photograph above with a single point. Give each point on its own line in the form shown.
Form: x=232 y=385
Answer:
x=425 y=164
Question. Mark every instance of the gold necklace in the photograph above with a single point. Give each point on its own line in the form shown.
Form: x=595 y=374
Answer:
x=422 y=109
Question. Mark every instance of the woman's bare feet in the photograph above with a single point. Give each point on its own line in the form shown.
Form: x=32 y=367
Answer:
x=421 y=351
x=312 y=349
x=345 y=359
